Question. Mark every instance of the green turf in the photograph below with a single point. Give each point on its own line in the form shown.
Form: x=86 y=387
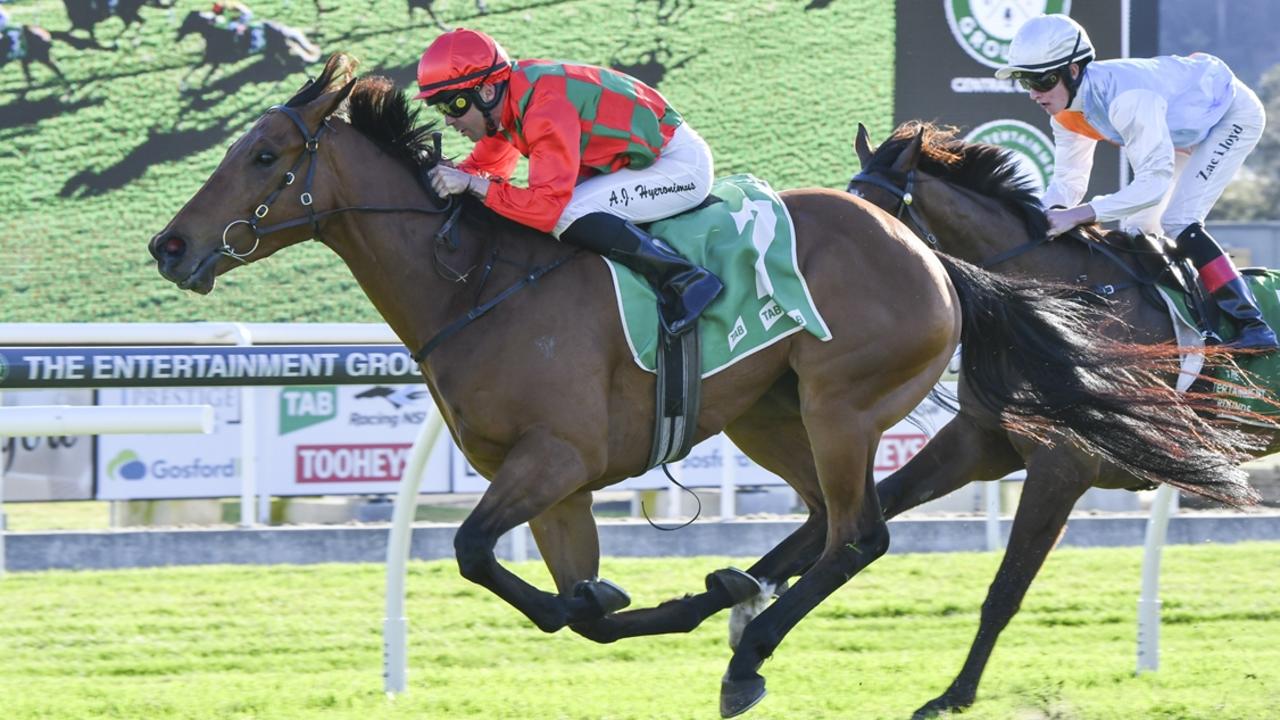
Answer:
x=88 y=179
x=305 y=642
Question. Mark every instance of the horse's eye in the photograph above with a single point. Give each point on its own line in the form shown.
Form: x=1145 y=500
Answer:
x=265 y=158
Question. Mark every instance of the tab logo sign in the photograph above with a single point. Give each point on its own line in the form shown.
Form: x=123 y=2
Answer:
x=302 y=407
x=985 y=27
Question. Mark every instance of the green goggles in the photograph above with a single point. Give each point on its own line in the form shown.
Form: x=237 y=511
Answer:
x=1039 y=82
x=455 y=105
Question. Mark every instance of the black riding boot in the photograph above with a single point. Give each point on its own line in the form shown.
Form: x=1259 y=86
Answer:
x=684 y=289
x=1234 y=296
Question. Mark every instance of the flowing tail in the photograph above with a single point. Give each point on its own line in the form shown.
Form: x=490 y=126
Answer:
x=1032 y=352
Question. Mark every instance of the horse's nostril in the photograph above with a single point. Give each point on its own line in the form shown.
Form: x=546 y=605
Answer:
x=174 y=246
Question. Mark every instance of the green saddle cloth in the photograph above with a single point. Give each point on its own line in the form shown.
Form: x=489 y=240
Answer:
x=748 y=241
x=1261 y=372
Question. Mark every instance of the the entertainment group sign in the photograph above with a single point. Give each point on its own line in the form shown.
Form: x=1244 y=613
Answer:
x=947 y=53
x=53 y=368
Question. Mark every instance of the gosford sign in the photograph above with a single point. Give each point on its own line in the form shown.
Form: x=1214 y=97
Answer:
x=49 y=368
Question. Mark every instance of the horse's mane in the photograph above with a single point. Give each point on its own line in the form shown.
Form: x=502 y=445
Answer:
x=987 y=170
x=378 y=110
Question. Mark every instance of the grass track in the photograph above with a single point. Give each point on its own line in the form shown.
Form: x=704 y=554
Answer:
x=305 y=642
x=89 y=177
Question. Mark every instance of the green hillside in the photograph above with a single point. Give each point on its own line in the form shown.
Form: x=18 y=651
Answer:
x=90 y=174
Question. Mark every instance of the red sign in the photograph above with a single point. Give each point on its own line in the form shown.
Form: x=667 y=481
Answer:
x=895 y=450
x=350 y=463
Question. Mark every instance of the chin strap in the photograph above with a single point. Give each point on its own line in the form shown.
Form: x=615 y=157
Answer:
x=486 y=108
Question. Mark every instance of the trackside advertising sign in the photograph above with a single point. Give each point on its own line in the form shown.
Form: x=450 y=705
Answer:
x=356 y=439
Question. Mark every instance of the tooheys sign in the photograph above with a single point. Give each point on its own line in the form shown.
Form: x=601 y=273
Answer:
x=948 y=51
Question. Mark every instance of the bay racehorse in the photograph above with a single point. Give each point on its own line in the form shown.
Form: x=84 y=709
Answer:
x=543 y=397
x=969 y=201
x=86 y=14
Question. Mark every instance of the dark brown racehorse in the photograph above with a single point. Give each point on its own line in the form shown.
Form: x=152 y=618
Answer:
x=283 y=46
x=35 y=46
x=969 y=199
x=545 y=401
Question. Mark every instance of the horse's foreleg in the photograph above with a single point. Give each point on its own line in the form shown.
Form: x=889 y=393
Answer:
x=1055 y=480
x=960 y=453
x=538 y=474
x=843 y=446
x=772 y=435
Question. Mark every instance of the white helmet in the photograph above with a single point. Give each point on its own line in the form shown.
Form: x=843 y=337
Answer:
x=1044 y=43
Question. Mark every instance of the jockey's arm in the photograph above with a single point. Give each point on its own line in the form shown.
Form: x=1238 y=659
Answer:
x=1139 y=117
x=492 y=157
x=1072 y=166
x=551 y=127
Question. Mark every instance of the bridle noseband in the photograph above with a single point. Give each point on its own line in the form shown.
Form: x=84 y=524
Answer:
x=311 y=146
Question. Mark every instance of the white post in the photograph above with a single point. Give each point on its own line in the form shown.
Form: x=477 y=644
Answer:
x=991 y=495
x=1149 y=601
x=728 y=483
x=673 y=491
x=395 y=626
x=21 y=421
x=248 y=441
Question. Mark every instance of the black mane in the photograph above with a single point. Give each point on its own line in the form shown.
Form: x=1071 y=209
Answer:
x=987 y=170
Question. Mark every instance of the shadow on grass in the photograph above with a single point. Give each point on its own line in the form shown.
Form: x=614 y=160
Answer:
x=24 y=112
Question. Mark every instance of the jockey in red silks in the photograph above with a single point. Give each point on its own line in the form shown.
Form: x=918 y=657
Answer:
x=605 y=152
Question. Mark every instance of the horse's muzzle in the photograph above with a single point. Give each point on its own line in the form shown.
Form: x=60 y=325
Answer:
x=171 y=253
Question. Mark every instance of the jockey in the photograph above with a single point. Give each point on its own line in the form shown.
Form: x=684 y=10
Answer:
x=234 y=14
x=605 y=152
x=1186 y=125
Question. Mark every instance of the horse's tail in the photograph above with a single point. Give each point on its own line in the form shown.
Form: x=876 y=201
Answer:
x=1032 y=352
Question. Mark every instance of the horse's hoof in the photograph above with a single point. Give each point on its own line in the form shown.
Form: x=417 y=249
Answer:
x=739 y=585
x=603 y=595
x=739 y=696
x=939 y=706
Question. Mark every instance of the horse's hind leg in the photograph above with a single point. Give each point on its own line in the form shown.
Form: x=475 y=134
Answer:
x=960 y=453
x=1056 y=477
x=771 y=434
x=843 y=441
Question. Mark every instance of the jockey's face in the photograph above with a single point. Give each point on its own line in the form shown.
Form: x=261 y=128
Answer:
x=1053 y=100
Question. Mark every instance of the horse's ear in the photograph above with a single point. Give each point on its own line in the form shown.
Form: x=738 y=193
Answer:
x=862 y=146
x=328 y=103
x=910 y=155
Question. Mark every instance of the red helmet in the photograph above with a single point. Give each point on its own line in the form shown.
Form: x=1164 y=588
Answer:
x=218 y=8
x=460 y=59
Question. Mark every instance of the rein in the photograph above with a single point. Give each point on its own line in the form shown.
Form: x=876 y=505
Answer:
x=1091 y=239
x=446 y=237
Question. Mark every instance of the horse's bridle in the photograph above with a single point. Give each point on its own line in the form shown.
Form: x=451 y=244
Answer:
x=311 y=146
x=445 y=237
x=906 y=202
x=906 y=198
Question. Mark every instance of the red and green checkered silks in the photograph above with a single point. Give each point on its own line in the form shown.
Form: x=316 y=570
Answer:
x=624 y=122
x=572 y=122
